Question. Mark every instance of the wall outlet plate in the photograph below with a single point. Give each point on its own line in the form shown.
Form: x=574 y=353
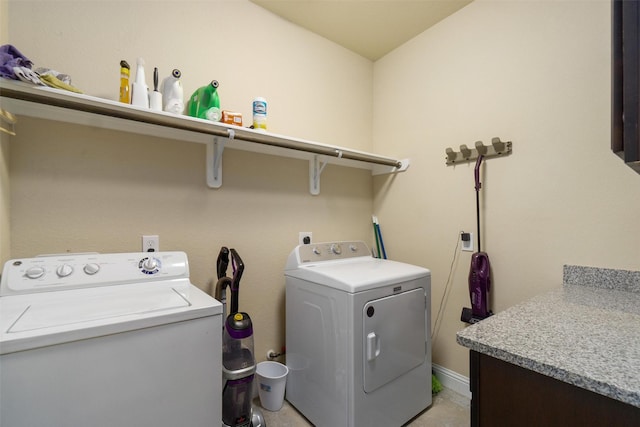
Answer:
x=467 y=245
x=150 y=243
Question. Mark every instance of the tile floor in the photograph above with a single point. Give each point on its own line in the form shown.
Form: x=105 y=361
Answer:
x=449 y=409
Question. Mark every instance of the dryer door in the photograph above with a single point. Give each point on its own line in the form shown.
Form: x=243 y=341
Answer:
x=394 y=337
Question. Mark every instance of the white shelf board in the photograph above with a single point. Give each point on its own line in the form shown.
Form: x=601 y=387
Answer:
x=53 y=104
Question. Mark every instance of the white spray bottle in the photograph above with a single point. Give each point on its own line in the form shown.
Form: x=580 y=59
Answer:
x=172 y=93
x=139 y=88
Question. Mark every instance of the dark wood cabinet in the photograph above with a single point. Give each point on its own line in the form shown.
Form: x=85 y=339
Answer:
x=504 y=394
x=625 y=108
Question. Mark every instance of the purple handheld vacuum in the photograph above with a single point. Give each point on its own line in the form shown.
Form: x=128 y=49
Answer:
x=479 y=273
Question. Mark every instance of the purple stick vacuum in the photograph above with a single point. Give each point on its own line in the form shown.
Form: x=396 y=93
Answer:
x=479 y=273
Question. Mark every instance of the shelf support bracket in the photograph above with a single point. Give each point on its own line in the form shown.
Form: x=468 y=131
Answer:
x=214 y=160
x=315 y=170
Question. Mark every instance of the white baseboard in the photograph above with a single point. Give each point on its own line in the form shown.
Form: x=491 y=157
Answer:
x=452 y=380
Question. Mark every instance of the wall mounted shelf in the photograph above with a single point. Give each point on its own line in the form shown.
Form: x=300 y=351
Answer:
x=497 y=148
x=52 y=104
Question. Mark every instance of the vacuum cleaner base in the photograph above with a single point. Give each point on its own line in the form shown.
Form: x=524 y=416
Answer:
x=257 y=418
x=467 y=316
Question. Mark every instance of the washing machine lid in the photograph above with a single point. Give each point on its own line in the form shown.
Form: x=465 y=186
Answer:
x=358 y=274
x=35 y=320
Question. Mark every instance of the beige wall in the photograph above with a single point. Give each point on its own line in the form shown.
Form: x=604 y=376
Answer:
x=75 y=188
x=535 y=73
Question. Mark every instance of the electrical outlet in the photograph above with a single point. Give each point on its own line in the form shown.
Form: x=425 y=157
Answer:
x=150 y=243
x=305 y=237
x=467 y=245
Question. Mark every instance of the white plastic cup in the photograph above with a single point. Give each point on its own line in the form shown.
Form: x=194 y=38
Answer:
x=272 y=379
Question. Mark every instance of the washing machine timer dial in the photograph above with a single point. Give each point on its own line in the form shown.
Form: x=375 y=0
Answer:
x=149 y=265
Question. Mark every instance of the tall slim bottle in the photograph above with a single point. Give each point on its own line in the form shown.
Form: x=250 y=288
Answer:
x=124 y=82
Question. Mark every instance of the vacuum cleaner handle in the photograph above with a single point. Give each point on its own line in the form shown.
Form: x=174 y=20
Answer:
x=221 y=293
x=223 y=262
x=477 y=172
x=238 y=269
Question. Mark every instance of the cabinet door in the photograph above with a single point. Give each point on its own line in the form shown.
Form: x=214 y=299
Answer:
x=625 y=139
x=508 y=395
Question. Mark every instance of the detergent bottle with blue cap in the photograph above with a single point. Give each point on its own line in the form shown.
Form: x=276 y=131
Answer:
x=205 y=103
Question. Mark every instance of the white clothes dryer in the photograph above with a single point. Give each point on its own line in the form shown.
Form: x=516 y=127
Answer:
x=357 y=336
x=108 y=340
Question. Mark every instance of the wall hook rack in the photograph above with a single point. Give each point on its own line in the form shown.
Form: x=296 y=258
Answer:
x=466 y=154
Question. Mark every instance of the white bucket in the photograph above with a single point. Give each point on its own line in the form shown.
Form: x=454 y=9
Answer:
x=272 y=379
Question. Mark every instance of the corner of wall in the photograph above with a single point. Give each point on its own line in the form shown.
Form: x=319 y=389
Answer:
x=4 y=199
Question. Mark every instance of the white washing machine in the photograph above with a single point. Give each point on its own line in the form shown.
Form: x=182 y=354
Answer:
x=108 y=340
x=357 y=336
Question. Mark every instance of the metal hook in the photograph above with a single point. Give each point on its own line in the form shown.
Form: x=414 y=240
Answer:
x=466 y=152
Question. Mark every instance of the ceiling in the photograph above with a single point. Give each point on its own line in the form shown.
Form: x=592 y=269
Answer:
x=371 y=28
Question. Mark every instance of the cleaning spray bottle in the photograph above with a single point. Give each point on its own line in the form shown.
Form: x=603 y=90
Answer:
x=172 y=93
x=205 y=103
x=139 y=88
x=124 y=82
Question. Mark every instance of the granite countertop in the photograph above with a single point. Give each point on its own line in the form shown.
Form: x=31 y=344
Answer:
x=585 y=333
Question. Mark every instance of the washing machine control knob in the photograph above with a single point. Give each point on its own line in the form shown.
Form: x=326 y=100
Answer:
x=336 y=249
x=353 y=248
x=316 y=250
x=91 y=268
x=64 y=270
x=35 y=272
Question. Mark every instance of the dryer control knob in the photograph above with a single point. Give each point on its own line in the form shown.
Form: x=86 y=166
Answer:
x=336 y=249
x=91 y=268
x=353 y=248
x=316 y=250
x=35 y=272
x=64 y=270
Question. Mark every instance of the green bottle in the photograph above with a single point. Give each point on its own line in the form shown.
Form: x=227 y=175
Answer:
x=205 y=103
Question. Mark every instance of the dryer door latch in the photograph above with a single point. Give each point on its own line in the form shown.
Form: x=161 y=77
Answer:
x=373 y=346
